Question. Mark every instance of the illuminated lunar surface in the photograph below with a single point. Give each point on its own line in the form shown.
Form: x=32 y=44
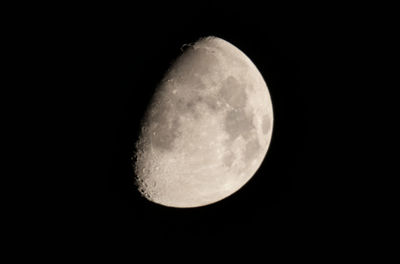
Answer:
x=207 y=129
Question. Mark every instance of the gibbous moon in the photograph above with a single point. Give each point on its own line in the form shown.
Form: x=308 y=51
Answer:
x=207 y=128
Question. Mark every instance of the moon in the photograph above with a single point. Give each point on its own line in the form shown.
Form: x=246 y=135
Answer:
x=207 y=128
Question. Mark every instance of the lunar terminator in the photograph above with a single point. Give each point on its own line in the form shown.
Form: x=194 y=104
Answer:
x=207 y=129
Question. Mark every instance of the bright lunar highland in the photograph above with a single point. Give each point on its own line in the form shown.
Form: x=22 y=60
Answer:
x=207 y=128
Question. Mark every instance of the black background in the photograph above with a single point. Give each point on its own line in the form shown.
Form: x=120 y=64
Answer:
x=304 y=188
x=135 y=52
x=82 y=76
x=282 y=195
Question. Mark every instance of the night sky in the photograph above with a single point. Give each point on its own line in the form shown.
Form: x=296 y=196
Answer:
x=301 y=189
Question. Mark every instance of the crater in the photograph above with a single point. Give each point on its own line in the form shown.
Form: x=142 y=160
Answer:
x=208 y=100
x=163 y=128
x=237 y=123
x=163 y=137
x=233 y=92
x=193 y=102
x=192 y=105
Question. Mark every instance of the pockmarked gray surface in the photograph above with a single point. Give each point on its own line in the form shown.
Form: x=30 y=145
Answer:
x=207 y=129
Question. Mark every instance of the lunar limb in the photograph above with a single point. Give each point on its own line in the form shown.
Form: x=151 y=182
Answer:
x=207 y=128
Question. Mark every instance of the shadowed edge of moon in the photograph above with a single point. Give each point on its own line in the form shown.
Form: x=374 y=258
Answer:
x=162 y=124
